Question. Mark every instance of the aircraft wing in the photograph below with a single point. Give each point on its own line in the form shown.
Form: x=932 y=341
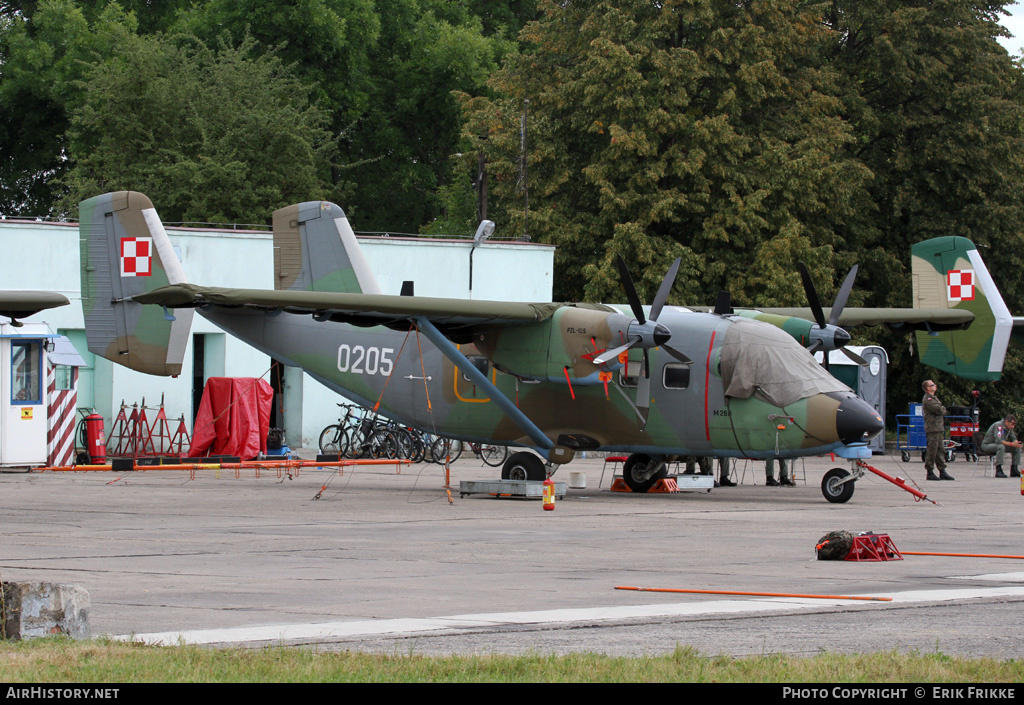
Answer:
x=21 y=304
x=905 y=318
x=449 y=315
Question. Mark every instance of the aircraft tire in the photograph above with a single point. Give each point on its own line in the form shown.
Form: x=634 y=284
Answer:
x=639 y=462
x=523 y=466
x=833 y=491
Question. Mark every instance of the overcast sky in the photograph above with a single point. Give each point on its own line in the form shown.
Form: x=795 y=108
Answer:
x=1014 y=23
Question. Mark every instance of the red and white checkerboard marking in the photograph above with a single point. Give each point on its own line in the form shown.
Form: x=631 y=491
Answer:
x=136 y=257
x=960 y=285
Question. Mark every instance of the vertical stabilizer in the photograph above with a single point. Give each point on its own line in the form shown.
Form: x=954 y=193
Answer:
x=125 y=252
x=315 y=249
x=949 y=273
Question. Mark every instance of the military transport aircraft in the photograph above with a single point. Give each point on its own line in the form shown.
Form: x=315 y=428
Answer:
x=654 y=382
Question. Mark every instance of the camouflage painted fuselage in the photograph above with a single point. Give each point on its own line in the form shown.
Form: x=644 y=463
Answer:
x=545 y=370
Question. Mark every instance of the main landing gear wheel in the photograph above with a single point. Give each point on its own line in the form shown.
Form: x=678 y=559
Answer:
x=834 y=489
x=636 y=472
x=523 y=466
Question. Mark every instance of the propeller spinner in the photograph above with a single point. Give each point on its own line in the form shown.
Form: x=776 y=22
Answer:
x=829 y=336
x=644 y=332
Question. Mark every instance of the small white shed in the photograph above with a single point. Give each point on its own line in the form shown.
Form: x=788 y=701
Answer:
x=38 y=371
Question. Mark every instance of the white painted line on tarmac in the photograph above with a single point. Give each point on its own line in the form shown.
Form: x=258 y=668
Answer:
x=284 y=633
x=994 y=577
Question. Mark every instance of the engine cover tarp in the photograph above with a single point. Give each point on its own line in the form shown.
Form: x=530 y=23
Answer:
x=761 y=359
x=233 y=418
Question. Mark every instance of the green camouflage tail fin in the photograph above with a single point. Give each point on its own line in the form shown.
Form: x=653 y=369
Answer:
x=316 y=250
x=949 y=273
x=126 y=252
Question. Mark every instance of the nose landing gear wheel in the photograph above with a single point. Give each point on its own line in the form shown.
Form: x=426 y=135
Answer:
x=834 y=489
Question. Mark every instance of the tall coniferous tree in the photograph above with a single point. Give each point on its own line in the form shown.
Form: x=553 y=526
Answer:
x=685 y=128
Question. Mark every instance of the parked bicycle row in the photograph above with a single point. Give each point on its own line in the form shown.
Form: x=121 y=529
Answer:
x=360 y=433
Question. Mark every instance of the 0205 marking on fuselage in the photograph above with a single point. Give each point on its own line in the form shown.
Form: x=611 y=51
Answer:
x=365 y=360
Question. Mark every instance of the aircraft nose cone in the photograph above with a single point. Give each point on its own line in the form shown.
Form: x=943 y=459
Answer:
x=661 y=334
x=857 y=421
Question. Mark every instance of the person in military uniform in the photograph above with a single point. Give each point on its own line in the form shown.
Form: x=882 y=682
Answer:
x=998 y=439
x=935 y=432
x=784 y=478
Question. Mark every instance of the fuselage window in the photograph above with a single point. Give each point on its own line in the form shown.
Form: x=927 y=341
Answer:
x=676 y=376
x=481 y=363
x=630 y=372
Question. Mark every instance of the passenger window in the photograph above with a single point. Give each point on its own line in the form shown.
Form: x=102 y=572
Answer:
x=481 y=363
x=630 y=372
x=676 y=376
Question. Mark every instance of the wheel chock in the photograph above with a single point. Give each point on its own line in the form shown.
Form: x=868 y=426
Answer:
x=662 y=486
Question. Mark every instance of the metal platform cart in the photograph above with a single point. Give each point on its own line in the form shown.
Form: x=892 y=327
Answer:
x=910 y=435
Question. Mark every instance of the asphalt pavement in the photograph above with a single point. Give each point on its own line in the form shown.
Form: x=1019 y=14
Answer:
x=390 y=561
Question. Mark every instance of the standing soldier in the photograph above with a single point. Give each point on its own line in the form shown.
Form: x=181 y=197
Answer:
x=935 y=432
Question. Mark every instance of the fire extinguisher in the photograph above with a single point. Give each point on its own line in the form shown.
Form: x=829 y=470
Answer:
x=549 y=495
x=93 y=440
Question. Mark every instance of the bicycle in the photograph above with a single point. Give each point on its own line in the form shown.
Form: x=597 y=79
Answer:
x=491 y=453
x=334 y=439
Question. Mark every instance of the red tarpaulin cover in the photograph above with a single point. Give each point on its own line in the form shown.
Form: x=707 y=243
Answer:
x=233 y=418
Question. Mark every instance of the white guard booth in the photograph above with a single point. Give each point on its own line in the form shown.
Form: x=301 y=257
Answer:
x=36 y=395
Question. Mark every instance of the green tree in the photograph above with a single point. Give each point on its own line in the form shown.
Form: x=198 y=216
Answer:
x=937 y=109
x=685 y=128
x=44 y=48
x=385 y=75
x=214 y=135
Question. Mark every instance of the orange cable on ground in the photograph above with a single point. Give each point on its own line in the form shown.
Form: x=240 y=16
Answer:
x=960 y=555
x=757 y=594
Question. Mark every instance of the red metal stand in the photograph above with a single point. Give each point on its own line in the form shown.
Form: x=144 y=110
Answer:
x=874 y=547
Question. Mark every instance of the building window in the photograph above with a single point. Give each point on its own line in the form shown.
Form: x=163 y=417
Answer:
x=64 y=377
x=26 y=381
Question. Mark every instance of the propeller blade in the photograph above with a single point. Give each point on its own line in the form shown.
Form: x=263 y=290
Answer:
x=609 y=355
x=631 y=295
x=643 y=394
x=855 y=357
x=664 y=289
x=677 y=355
x=723 y=304
x=815 y=345
x=812 y=294
x=842 y=296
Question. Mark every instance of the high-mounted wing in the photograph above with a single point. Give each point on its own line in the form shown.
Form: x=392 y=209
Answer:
x=897 y=318
x=449 y=315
